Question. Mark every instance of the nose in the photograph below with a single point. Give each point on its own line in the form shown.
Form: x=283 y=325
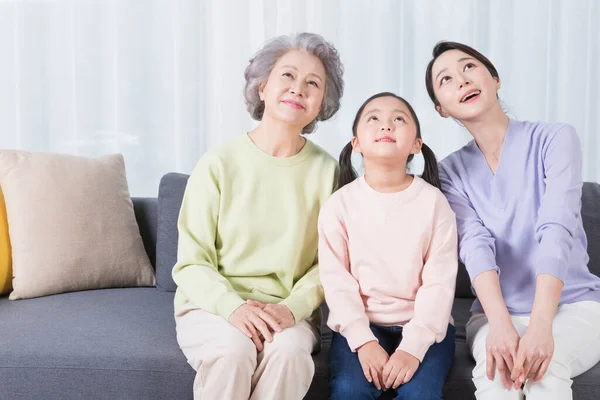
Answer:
x=463 y=81
x=297 y=88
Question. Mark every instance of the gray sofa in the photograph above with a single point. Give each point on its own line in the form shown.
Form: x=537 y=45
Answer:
x=120 y=343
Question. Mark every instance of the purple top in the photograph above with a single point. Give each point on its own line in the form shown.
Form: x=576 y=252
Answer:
x=526 y=219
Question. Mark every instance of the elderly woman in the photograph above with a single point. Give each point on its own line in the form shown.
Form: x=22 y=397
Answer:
x=247 y=303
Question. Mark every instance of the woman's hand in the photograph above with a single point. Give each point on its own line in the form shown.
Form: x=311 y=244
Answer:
x=534 y=355
x=399 y=369
x=501 y=351
x=254 y=322
x=281 y=313
x=373 y=358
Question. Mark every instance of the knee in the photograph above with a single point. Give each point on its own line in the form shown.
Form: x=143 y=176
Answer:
x=349 y=387
x=285 y=349
x=422 y=392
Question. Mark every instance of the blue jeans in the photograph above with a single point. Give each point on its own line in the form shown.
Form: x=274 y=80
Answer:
x=349 y=382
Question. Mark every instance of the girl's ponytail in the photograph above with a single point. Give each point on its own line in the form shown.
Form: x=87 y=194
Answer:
x=430 y=171
x=347 y=171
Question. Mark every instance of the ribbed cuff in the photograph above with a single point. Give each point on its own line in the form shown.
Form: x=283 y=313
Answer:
x=228 y=303
x=358 y=333
x=414 y=344
x=551 y=266
x=480 y=262
x=298 y=307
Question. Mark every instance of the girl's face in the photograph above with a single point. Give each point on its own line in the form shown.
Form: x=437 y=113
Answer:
x=463 y=86
x=386 y=131
x=294 y=91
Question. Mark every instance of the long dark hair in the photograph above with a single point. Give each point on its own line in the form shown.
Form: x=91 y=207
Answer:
x=442 y=47
x=347 y=171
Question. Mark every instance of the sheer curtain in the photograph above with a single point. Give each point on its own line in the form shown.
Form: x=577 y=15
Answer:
x=161 y=80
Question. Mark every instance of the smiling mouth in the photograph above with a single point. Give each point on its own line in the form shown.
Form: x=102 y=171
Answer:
x=385 y=140
x=470 y=96
x=293 y=104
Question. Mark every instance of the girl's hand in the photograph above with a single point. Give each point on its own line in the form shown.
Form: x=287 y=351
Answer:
x=373 y=358
x=399 y=369
x=254 y=322
x=534 y=355
x=501 y=351
x=281 y=313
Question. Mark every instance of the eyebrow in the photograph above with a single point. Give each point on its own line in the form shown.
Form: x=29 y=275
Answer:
x=460 y=60
x=296 y=69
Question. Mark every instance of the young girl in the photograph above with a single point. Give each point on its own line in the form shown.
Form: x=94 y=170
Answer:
x=516 y=191
x=388 y=262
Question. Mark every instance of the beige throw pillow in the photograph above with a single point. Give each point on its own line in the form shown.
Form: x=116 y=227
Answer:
x=71 y=224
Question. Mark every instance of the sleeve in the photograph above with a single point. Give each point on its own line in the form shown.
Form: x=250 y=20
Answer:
x=346 y=309
x=306 y=295
x=559 y=214
x=477 y=248
x=196 y=271
x=433 y=302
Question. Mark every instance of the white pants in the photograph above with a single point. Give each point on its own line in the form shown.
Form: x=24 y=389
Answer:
x=228 y=366
x=576 y=330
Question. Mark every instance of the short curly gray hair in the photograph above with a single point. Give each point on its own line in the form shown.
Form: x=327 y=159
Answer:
x=264 y=60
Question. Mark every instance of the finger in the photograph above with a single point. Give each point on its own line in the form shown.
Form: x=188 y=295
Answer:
x=399 y=378
x=240 y=325
x=543 y=369
x=255 y=303
x=367 y=373
x=376 y=378
x=509 y=360
x=502 y=371
x=268 y=318
x=387 y=374
x=489 y=365
x=257 y=342
x=535 y=367
x=262 y=327
x=409 y=375
x=526 y=369
x=518 y=366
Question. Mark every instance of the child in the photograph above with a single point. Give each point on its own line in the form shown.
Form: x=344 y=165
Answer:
x=388 y=262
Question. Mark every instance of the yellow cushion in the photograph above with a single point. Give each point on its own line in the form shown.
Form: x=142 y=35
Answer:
x=5 y=256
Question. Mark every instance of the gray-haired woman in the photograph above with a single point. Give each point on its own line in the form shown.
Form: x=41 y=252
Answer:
x=248 y=292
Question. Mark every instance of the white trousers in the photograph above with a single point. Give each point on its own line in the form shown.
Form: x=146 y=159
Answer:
x=228 y=366
x=576 y=330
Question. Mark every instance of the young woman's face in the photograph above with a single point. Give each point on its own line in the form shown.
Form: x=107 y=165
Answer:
x=295 y=88
x=463 y=86
x=386 y=130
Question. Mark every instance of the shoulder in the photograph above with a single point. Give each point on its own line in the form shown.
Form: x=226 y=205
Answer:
x=434 y=197
x=456 y=161
x=544 y=130
x=320 y=155
x=340 y=202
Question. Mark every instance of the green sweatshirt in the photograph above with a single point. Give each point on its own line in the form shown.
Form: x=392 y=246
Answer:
x=248 y=229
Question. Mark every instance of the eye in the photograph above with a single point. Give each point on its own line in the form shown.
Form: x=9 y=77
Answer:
x=287 y=75
x=444 y=80
x=468 y=66
x=373 y=118
x=400 y=119
x=313 y=83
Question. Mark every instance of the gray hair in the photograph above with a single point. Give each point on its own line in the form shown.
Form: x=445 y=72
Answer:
x=264 y=60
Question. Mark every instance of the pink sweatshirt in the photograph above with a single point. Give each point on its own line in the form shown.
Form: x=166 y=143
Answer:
x=389 y=259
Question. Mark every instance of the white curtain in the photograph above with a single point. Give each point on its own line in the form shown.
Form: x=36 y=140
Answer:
x=161 y=80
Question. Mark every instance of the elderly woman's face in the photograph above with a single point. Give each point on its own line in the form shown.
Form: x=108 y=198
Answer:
x=295 y=88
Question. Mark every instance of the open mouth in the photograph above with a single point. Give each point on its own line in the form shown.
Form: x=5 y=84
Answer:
x=470 y=96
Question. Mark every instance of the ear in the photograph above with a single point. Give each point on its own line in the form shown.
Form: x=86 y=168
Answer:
x=441 y=111
x=498 y=85
x=416 y=149
x=355 y=144
x=261 y=91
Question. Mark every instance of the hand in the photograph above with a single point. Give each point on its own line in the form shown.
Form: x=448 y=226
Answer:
x=253 y=322
x=534 y=355
x=501 y=348
x=281 y=313
x=373 y=358
x=399 y=369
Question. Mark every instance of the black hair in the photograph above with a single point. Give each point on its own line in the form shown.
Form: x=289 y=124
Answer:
x=347 y=171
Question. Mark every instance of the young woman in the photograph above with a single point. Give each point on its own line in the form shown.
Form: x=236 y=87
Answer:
x=388 y=262
x=516 y=192
x=248 y=291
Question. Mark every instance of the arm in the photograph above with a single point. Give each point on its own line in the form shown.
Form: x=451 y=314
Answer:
x=433 y=302
x=307 y=294
x=347 y=311
x=196 y=271
x=560 y=209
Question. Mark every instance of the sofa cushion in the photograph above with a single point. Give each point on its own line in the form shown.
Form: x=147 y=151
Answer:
x=71 y=224
x=5 y=253
x=590 y=213
x=170 y=195
x=99 y=344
